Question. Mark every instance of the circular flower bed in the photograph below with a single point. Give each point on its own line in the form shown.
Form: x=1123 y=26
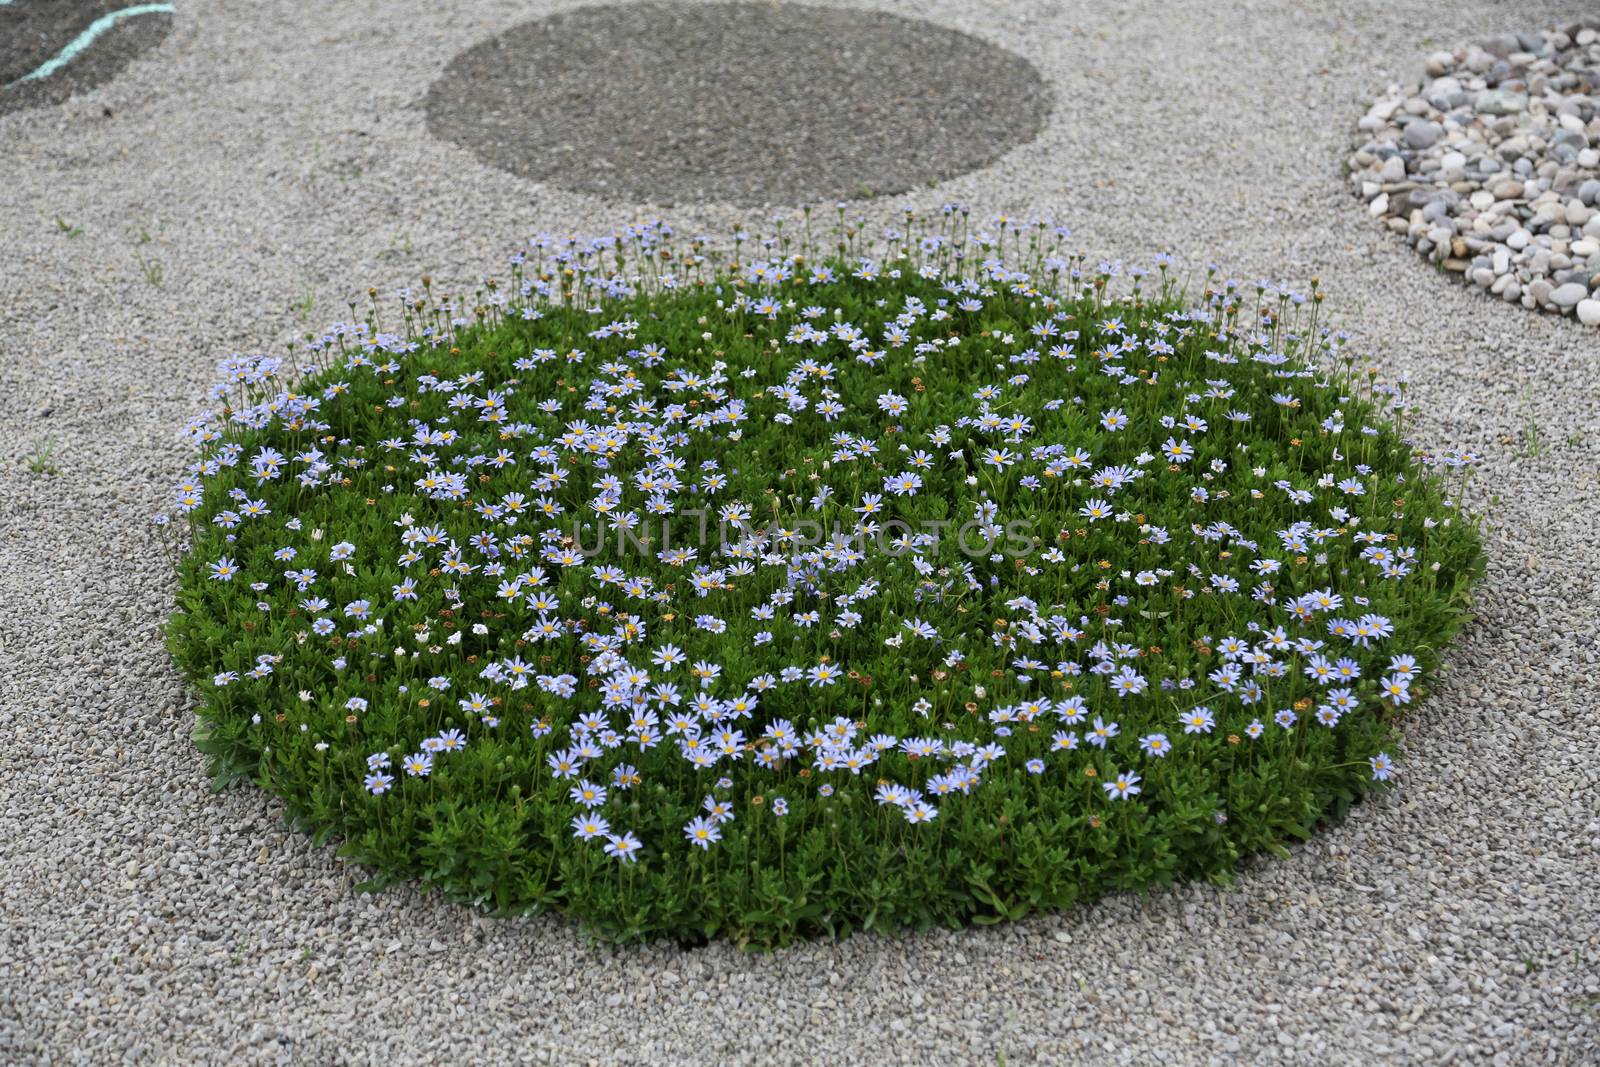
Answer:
x=801 y=594
x=1491 y=167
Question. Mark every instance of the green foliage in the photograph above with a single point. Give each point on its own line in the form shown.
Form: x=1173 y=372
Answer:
x=309 y=713
x=42 y=458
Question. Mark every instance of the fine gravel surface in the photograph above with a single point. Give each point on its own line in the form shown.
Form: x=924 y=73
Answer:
x=270 y=160
x=746 y=104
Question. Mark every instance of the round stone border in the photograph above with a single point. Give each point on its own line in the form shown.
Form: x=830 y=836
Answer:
x=1490 y=166
x=736 y=103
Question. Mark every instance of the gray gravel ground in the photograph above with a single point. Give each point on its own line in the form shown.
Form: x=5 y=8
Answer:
x=747 y=104
x=277 y=150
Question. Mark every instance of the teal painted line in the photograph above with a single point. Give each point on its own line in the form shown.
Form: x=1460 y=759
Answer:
x=86 y=38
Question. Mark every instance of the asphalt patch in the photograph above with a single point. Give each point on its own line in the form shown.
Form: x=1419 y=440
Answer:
x=740 y=104
x=33 y=32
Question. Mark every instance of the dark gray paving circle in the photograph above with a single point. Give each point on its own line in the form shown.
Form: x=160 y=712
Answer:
x=736 y=103
x=51 y=49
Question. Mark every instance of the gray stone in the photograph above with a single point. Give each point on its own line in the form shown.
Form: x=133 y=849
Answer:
x=1501 y=102
x=1423 y=134
x=1501 y=45
x=1568 y=295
